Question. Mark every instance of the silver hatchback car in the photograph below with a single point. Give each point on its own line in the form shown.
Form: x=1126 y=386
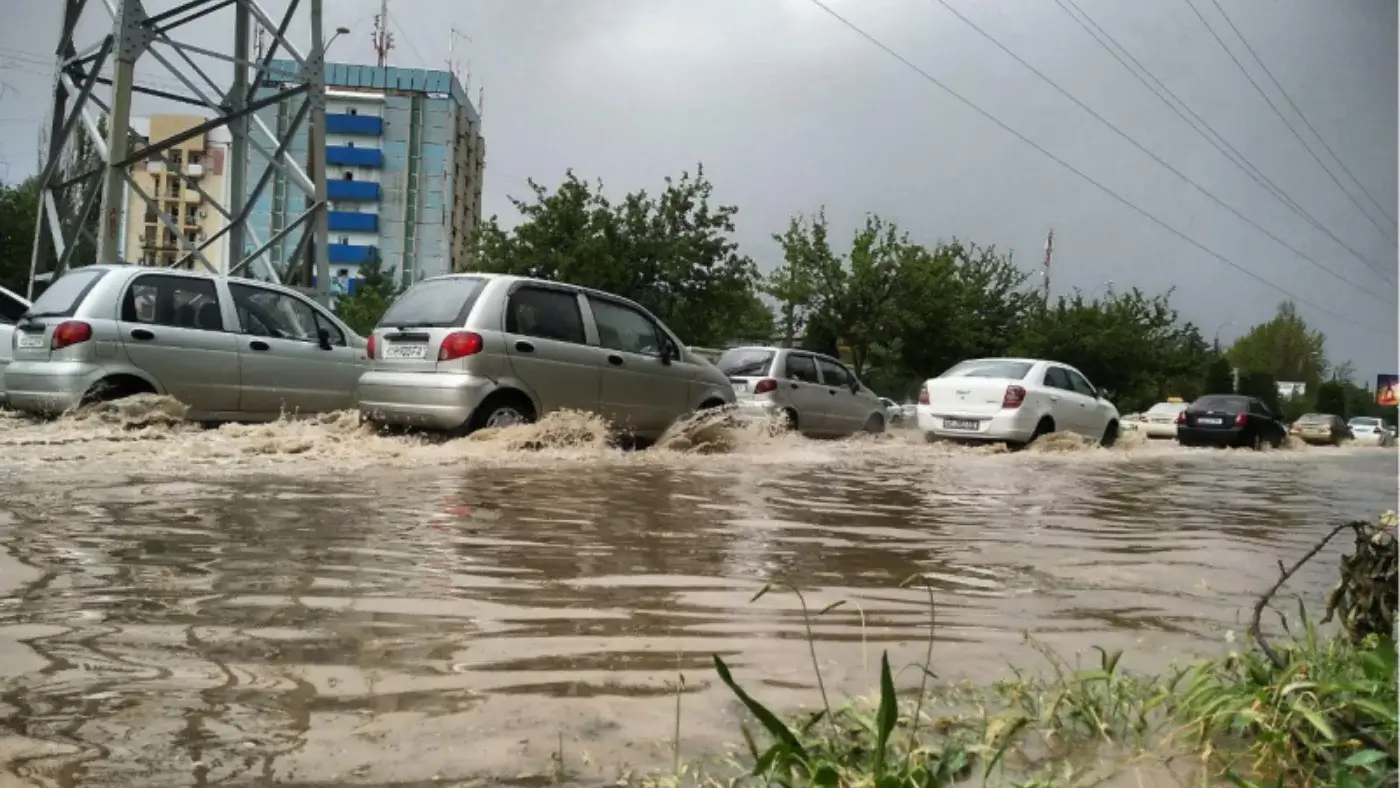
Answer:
x=12 y=308
x=230 y=349
x=817 y=395
x=467 y=351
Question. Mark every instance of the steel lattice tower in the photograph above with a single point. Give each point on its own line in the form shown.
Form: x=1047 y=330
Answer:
x=133 y=35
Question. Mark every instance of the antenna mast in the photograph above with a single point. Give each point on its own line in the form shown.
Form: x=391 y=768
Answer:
x=1049 y=255
x=382 y=39
x=452 y=65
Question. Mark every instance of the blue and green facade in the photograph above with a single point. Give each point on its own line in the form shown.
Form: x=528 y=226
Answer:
x=404 y=164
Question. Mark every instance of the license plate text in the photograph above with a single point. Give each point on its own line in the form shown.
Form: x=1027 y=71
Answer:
x=30 y=340
x=1211 y=422
x=406 y=351
x=961 y=424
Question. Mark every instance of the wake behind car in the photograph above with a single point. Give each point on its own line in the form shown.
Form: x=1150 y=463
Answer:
x=467 y=351
x=1229 y=420
x=1014 y=401
x=229 y=349
x=817 y=395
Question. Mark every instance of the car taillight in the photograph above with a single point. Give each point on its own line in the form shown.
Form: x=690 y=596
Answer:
x=369 y=347
x=1181 y=417
x=764 y=386
x=459 y=344
x=1241 y=419
x=923 y=394
x=70 y=332
x=1013 y=397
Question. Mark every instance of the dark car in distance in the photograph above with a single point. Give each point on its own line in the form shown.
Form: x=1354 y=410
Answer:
x=1229 y=420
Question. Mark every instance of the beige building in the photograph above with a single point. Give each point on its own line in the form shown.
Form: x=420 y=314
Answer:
x=202 y=159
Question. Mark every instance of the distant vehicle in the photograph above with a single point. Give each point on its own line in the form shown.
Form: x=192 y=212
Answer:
x=1321 y=428
x=229 y=349
x=466 y=351
x=1229 y=420
x=12 y=308
x=1158 y=422
x=1370 y=431
x=1014 y=401
x=816 y=394
x=894 y=414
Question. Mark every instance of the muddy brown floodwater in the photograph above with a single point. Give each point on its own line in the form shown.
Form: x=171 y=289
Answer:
x=309 y=604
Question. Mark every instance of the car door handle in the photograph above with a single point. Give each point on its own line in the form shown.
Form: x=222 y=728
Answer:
x=142 y=334
x=794 y=385
x=524 y=347
x=615 y=360
x=258 y=344
x=833 y=392
x=1054 y=398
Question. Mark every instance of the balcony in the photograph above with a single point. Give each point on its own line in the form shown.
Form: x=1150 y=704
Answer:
x=366 y=125
x=192 y=196
x=351 y=254
x=352 y=191
x=347 y=156
x=194 y=170
x=348 y=222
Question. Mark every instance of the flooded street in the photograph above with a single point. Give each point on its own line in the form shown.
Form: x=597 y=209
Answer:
x=311 y=604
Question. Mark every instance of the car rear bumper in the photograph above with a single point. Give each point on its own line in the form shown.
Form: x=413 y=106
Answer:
x=437 y=400
x=1012 y=426
x=1153 y=429
x=1361 y=438
x=1315 y=439
x=48 y=387
x=1195 y=436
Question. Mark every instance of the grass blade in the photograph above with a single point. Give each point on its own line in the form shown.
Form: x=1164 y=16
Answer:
x=769 y=720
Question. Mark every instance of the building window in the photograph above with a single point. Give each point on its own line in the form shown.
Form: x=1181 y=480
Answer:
x=345 y=240
x=352 y=111
x=347 y=176
x=350 y=144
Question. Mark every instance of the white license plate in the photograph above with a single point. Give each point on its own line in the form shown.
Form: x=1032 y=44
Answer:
x=961 y=424
x=27 y=340
x=413 y=350
x=740 y=386
x=1211 y=422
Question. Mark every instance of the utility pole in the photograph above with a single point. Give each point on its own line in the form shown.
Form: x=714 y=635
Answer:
x=382 y=38
x=1049 y=256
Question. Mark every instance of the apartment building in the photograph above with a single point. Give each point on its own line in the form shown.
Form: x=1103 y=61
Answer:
x=201 y=159
x=404 y=162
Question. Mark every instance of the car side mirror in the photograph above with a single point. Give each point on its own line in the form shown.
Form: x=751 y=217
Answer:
x=668 y=353
x=855 y=387
x=323 y=336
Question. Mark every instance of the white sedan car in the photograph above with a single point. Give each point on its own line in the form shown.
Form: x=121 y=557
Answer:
x=1158 y=422
x=1014 y=401
x=1370 y=432
x=12 y=307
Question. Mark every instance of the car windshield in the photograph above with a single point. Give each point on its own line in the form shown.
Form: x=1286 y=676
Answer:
x=990 y=368
x=434 y=302
x=1362 y=421
x=61 y=298
x=1167 y=407
x=745 y=362
x=1222 y=404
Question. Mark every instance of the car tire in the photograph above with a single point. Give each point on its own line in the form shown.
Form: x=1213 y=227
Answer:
x=502 y=409
x=790 y=422
x=874 y=425
x=1110 y=435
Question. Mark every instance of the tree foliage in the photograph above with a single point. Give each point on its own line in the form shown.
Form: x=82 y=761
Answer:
x=375 y=289
x=19 y=208
x=1284 y=347
x=671 y=252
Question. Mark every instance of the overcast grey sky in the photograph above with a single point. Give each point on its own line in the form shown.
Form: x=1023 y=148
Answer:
x=789 y=111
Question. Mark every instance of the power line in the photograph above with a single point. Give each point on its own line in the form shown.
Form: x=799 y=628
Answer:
x=1082 y=175
x=1298 y=110
x=1290 y=126
x=1200 y=126
x=1173 y=170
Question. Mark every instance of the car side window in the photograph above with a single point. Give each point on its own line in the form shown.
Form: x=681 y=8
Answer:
x=268 y=313
x=621 y=327
x=545 y=313
x=833 y=374
x=337 y=337
x=801 y=368
x=11 y=309
x=1080 y=384
x=1058 y=378
x=175 y=301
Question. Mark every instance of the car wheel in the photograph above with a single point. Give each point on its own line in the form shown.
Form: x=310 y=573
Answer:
x=1110 y=435
x=790 y=420
x=1257 y=443
x=874 y=425
x=506 y=409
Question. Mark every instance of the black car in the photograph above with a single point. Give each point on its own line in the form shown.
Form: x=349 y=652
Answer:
x=1229 y=420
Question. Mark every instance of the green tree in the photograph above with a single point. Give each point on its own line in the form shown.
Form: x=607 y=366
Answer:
x=376 y=289
x=672 y=253
x=807 y=257
x=1332 y=398
x=1263 y=386
x=19 y=207
x=1284 y=347
x=1220 y=377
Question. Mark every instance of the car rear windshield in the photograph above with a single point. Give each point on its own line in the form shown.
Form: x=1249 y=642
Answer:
x=1167 y=407
x=1222 y=404
x=434 y=303
x=745 y=362
x=1362 y=421
x=990 y=368
x=1314 y=418
x=63 y=297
